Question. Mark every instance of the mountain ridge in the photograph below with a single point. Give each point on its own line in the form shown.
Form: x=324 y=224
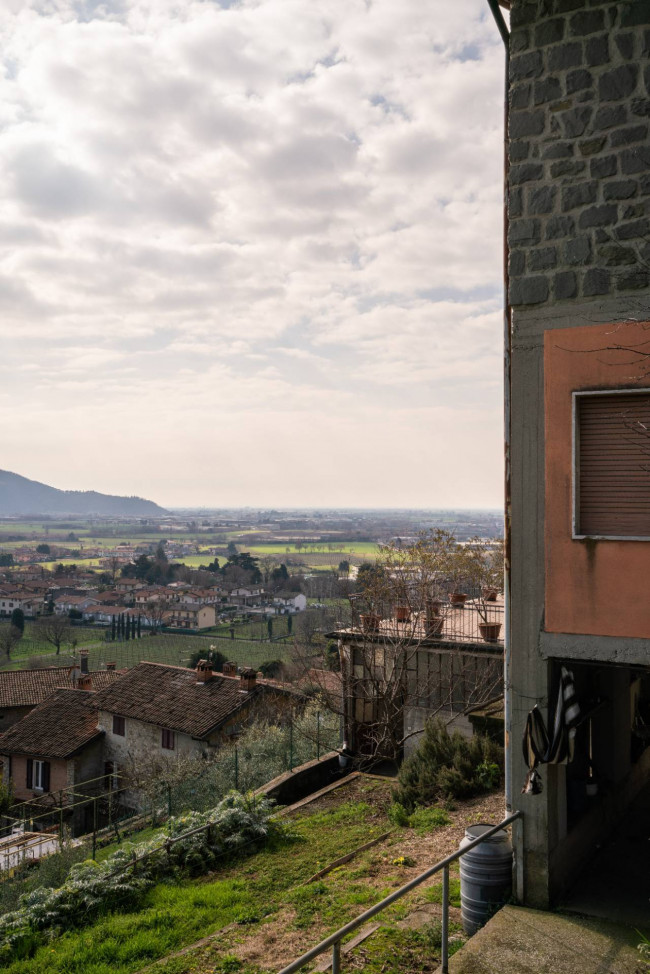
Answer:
x=19 y=495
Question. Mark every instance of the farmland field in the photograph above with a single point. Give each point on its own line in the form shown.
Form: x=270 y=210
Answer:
x=171 y=648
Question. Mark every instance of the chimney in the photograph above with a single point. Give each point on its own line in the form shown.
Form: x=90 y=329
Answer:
x=248 y=679
x=229 y=669
x=110 y=667
x=83 y=660
x=85 y=682
x=203 y=671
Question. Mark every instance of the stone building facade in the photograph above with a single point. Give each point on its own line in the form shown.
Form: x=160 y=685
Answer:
x=578 y=199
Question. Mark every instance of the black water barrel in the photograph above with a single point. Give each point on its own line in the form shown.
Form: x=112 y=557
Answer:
x=485 y=876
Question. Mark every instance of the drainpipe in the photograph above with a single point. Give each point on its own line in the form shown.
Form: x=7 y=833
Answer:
x=507 y=380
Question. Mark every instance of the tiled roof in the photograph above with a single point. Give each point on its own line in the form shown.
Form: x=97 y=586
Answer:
x=57 y=728
x=26 y=688
x=169 y=696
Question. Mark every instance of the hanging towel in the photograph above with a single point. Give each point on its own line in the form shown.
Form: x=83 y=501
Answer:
x=538 y=746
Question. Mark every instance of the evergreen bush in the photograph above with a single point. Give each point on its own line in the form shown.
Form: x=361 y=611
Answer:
x=448 y=766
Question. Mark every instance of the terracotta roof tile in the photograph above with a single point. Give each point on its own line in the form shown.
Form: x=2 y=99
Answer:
x=25 y=688
x=169 y=696
x=57 y=728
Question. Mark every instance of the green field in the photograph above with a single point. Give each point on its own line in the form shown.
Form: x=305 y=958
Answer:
x=170 y=648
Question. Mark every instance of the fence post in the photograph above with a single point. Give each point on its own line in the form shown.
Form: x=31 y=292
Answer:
x=318 y=735
x=169 y=801
x=94 y=826
x=336 y=957
x=445 y=921
x=61 y=824
x=291 y=744
x=236 y=768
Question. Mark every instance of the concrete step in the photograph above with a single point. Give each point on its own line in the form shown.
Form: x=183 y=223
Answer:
x=522 y=941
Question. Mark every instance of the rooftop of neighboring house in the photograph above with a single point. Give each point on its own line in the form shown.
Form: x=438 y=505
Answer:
x=57 y=728
x=112 y=610
x=175 y=697
x=450 y=622
x=26 y=688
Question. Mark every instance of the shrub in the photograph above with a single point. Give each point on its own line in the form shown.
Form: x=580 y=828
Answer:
x=447 y=766
x=426 y=819
x=91 y=887
x=398 y=815
x=422 y=819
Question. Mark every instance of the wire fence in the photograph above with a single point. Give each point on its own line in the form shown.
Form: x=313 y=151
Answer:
x=72 y=824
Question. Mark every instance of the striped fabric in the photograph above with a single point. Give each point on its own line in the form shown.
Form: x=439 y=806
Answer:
x=538 y=746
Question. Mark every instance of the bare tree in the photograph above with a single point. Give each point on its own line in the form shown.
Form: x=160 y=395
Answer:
x=55 y=630
x=113 y=566
x=10 y=636
x=155 y=611
x=404 y=653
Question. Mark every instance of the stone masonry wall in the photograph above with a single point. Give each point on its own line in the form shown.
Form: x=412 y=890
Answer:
x=579 y=149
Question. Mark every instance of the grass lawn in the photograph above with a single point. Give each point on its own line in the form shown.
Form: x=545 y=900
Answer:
x=263 y=913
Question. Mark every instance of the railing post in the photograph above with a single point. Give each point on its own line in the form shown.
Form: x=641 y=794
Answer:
x=318 y=735
x=336 y=957
x=445 y=920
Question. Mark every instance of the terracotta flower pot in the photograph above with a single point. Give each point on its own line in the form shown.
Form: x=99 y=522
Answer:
x=402 y=613
x=458 y=598
x=369 y=622
x=434 y=625
x=490 y=631
x=433 y=607
x=490 y=594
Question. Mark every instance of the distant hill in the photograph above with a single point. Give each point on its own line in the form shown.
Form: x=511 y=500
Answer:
x=21 y=496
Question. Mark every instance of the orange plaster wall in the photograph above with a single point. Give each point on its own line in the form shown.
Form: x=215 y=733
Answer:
x=592 y=587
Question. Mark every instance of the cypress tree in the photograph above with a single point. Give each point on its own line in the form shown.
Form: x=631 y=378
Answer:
x=113 y=629
x=289 y=623
x=139 y=627
x=127 y=627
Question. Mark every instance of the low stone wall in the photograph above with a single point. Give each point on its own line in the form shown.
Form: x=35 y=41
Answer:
x=294 y=785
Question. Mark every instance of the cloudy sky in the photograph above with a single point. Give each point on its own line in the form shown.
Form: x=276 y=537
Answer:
x=250 y=252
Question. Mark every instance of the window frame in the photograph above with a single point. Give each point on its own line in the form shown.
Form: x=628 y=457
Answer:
x=576 y=395
x=167 y=735
x=40 y=775
x=121 y=722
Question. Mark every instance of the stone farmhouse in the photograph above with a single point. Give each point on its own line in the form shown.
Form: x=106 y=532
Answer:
x=106 y=723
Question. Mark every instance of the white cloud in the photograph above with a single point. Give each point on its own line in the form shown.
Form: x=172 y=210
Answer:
x=223 y=223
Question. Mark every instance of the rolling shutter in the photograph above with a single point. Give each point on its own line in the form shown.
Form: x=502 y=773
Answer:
x=613 y=465
x=30 y=773
x=46 y=776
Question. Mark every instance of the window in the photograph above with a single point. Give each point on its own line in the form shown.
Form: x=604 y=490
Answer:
x=38 y=775
x=611 y=484
x=168 y=739
x=119 y=726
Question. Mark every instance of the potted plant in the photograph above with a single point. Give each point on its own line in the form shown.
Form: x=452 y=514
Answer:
x=369 y=622
x=482 y=564
x=458 y=598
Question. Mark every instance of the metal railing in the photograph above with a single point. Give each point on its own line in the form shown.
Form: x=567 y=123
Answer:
x=334 y=940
